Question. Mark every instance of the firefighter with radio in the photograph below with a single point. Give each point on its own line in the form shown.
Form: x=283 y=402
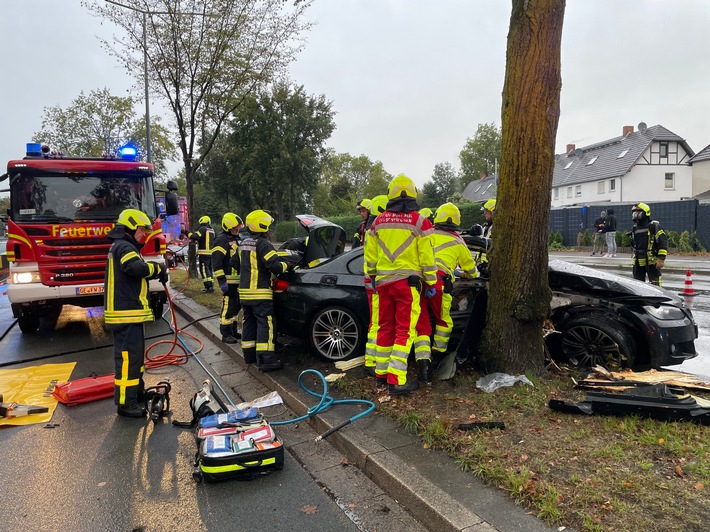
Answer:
x=650 y=244
x=224 y=248
x=204 y=235
x=400 y=262
x=453 y=260
x=363 y=209
x=257 y=261
x=126 y=307
x=378 y=206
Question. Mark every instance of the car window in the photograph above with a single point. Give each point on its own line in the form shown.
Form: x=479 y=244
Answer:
x=357 y=265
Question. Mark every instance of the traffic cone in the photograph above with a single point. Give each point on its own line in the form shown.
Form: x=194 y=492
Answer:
x=688 y=288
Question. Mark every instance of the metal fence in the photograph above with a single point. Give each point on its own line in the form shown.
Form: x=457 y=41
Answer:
x=678 y=216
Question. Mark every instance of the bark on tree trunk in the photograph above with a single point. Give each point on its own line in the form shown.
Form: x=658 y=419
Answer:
x=519 y=293
x=191 y=250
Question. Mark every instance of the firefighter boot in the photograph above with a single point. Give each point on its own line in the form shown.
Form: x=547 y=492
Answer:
x=227 y=337
x=209 y=287
x=424 y=371
x=404 y=389
x=235 y=331
x=249 y=355
x=133 y=410
x=268 y=362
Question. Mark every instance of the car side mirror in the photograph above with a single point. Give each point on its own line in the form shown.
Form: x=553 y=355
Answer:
x=171 y=202
x=476 y=230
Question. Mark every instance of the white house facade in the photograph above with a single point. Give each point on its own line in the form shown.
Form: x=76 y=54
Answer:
x=649 y=165
x=701 y=171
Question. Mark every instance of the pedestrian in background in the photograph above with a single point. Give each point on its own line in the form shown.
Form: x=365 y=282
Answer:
x=599 y=230
x=126 y=307
x=650 y=245
x=610 y=230
x=204 y=235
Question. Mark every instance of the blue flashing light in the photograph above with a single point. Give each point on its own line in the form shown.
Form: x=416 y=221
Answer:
x=128 y=152
x=34 y=149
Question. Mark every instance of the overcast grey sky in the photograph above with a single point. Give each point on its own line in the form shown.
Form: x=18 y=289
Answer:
x=410 y=80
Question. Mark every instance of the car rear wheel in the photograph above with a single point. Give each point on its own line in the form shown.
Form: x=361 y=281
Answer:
x=335 y=333
x=596 y=339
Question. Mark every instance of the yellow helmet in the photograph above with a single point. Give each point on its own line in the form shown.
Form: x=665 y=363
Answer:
x=259 y=221
x=364 y=204
x=426 y=212
x=204 y=220
x=401 y=186
x=379 y=204
x=133 y=219
x=230 y=221
x=448 y=213
x=642 y=207
x=490 y=205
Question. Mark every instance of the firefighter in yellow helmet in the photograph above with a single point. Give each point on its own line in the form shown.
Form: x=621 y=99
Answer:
x=400 y=262
x=481 y=258
x=126 y=307
x=453 y=259
x=650 y=244
x=377 y=207
x=363 y=209
x=427 y=213
x=204 y=235
x=257 y=261
x=224 y=248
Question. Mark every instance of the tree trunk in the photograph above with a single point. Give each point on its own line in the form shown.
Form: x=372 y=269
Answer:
x=191 y=250
x=519 y=293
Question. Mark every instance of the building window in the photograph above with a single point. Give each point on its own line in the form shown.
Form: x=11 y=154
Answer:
x=663 y=150
x=555 y=193
x=568 y=165
x=591 y=161
x=670 y=181
x=569 y=192
x=578 y=190
x=622 y=154
x=612 y=185
x=600 y=187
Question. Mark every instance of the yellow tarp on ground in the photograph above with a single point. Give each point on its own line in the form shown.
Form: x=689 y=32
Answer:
x=33 y=386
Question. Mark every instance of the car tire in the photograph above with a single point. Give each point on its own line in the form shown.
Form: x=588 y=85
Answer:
x=597 y=339
x=335 y=333
x=28 y=322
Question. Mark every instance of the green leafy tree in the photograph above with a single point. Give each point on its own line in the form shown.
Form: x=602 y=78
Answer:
x=480 y=153
x=99 y=123
x=519 y=295
x=443 y=185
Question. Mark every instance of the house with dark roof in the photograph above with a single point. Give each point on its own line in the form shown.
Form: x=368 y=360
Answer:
x=701 y=174
x=482 y=189
x=651 y=164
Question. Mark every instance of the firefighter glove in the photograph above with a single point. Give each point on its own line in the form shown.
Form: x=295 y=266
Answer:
x=224 y=287
x=163 y=274
x=430 y=292
x=660 y=263
x=458 y=272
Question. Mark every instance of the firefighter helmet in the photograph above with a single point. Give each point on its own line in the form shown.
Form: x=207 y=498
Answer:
x=448 y=213
x=379 y=204
x=133 y=219
x=364 y=204
x=259 y=221
x=401 y=186
x=426 y=212
x=204 y=220
x=490 y=205
x=642 y=207
x=230 y=221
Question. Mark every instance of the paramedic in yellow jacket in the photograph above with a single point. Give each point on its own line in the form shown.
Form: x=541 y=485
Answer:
x=400 y=261
x=377 y=206
x=126 y=307
x=453 y=259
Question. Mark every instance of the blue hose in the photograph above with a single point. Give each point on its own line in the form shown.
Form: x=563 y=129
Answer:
x=325 y=402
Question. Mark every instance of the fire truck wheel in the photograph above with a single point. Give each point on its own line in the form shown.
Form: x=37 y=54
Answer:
x=157 y=307
x=28 y=322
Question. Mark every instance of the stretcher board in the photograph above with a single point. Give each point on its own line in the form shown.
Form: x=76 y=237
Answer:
x=33 y=386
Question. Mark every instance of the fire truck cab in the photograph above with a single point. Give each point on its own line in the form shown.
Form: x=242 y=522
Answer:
x=61 y=209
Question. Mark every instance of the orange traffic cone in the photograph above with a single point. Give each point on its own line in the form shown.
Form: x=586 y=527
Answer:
x=688 y=288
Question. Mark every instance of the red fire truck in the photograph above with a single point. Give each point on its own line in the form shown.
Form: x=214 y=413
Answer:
x=61 y=209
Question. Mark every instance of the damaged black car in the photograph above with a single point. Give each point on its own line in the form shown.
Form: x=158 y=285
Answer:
x=598 y=317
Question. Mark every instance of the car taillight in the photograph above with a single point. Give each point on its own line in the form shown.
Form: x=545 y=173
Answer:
x=280 y=285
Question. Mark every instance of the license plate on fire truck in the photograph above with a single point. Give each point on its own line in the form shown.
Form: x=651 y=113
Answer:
x=89 y=290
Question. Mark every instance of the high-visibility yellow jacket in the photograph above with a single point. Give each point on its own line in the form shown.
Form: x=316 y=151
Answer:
x=398 y=245
x=203 y=236
x=450 y=251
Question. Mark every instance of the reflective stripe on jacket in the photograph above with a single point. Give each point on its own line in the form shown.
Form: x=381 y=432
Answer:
x=650 y=242
x=450 y=250
x=398 y=245
x=203 y=236
x=257 y=260
x=224 y=248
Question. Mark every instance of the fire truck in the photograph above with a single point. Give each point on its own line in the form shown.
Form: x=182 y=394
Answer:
x=61 y=209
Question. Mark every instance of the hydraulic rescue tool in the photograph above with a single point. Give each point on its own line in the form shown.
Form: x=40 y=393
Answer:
x=157 y=400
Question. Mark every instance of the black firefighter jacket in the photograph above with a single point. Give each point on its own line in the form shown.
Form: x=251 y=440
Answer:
x=204 y=235
x=126 y=281
x=257 y=260
x=224 y=248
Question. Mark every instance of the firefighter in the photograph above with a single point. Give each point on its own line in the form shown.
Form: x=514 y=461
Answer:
x=223 y=248
x=363 y=209
x=650 y=245
x=257 y=261
x=481 y=258
x=126 y=307
x=378 y=206
x=398 y=257
x=453 y=259
x=204 y=235
x=427 y=213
